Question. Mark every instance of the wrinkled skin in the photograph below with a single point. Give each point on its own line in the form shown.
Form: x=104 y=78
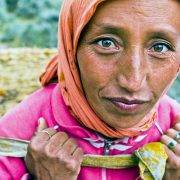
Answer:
x=118 y=56
x=129 y=49
x=55 y=158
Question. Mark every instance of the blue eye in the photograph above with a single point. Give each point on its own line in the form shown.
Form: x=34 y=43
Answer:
x=161 y=47
x=106 y=43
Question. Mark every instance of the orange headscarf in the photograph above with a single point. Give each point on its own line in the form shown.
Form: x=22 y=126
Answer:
x=75 y=14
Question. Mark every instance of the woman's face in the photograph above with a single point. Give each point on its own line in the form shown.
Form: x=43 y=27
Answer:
x=127 y=55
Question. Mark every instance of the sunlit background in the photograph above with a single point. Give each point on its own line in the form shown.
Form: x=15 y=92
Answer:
x=28 y=39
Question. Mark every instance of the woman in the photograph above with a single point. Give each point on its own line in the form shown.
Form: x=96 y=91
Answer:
x=115 y=63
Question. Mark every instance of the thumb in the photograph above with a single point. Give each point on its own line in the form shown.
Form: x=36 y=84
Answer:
x=42 y=124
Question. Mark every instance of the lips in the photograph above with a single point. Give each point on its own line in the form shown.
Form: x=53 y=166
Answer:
x=126 y=101
x=127 y=105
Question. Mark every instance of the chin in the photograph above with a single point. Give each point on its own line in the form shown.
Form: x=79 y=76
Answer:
x=123 y=121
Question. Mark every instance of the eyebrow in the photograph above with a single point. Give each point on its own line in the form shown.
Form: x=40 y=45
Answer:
x=167 y=32
x=113 y=29
x=160 y=34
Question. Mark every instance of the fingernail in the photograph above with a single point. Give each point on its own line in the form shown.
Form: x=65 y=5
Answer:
x=56 y=127
x=41 y=119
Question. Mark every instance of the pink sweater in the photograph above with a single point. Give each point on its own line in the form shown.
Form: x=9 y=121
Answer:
x=21 y=122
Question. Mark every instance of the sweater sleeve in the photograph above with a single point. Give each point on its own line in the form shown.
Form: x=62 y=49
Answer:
x=21 y=122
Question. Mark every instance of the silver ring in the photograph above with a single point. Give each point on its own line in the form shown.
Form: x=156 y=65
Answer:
x=177 y=136
x=49 y=135
x=172 y=144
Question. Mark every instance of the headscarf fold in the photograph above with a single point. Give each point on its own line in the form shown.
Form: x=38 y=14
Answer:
x=74 y=16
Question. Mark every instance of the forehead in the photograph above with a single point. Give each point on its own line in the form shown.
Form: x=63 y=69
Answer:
x=139 y=13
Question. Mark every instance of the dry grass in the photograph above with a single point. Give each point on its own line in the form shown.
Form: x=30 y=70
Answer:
x=19 y=73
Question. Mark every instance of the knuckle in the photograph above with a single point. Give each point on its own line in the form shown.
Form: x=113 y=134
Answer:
x=163 y=137
x=176 y=164
x=76 y=162
x=63 y=159
x=60 y=137
x=63 y=135
x=72 y=165
x=75 y=165
x=49 y=129
x=48 y=152
x=36 y=143
x=62 y=156
x=33 y=147
x=69 y=145
x=73 y=141
x=80 y=150
x=170 y=131
x=177 y=126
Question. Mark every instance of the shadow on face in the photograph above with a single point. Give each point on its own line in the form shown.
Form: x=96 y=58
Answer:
x=128 y=55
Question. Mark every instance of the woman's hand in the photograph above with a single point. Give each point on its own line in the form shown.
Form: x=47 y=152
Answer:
x=173 y=151
x=53 y=155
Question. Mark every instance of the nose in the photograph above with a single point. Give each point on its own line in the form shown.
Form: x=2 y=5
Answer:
x=132 y=71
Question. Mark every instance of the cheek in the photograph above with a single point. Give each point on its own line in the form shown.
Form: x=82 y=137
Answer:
x=162 y=77
x=95 y=73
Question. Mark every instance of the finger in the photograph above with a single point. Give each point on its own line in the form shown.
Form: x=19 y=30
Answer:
x=177 y=126
x=76 y=160
x=42 y=124
x=78 y=154
x=166 y=140
x=55 y=143
x=171 y=132
x=173 y=160
x=69 y=146
x=46 y=134
x=39 y=141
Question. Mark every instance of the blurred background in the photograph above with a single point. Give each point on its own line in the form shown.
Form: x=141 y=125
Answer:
x=31 y=23
x=28 y=39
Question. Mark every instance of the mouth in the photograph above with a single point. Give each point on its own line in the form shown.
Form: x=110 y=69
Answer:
x=127 y=105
